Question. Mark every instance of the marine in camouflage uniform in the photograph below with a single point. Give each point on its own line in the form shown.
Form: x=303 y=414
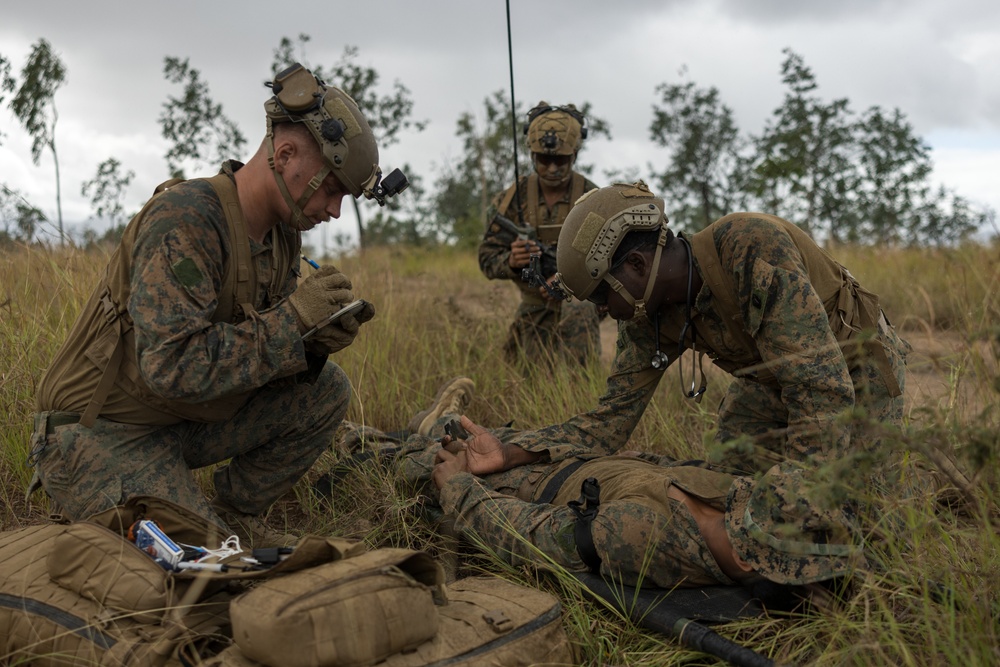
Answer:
x=543 y=327
x=190 y=350
x=804 y=341
x=659 y=522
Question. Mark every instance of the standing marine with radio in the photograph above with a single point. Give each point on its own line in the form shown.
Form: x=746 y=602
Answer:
x=525 y=220
x=200 y=344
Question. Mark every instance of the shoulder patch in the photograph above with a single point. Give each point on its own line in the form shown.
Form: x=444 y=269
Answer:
x=187 y=272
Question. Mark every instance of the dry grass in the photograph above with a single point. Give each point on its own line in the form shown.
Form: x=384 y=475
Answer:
x=932 y=600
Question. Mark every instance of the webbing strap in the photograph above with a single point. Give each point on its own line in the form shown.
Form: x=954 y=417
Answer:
x=110 y=373
x=586 y=508
x=241 y=291
x=555 y=483
x=721 y=284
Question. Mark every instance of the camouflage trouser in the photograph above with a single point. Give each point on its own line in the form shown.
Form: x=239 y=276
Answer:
x=568 y=330
x=756 y=410
x=272 y=441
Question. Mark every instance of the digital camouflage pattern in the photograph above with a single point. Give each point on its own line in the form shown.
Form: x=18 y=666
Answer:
x=807 y=378
x=541 y=328
x=640 y=533
x=787 y=532
x=295 y=399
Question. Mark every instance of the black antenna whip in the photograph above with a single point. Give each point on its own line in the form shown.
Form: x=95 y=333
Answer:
x=513 y=121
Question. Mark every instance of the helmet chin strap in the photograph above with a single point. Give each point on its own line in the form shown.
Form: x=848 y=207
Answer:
x=298 y=220
x=640 y=305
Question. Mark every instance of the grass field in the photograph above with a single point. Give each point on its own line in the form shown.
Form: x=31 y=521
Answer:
x=935 y=596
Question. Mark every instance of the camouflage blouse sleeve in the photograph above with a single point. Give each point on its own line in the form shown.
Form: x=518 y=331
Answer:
x=177 y=273
x=791 y=330
x=517 y=531
x=494 y=250
x=606 y=428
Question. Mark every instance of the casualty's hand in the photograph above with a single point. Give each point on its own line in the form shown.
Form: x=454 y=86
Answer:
x=320 y=294
x=447 y=465
x=486 y=454
x=338 y=335
x=521 y=251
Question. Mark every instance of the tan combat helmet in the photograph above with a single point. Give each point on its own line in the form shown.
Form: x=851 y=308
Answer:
x=334 y=120
x=784 y=534
x=593 y=230
x=555 y=130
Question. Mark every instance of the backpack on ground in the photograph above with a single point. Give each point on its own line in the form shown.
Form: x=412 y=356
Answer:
x=83 y=594
x=485 y=621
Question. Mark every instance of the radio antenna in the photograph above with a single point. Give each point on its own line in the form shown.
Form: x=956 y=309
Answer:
x=513 y=120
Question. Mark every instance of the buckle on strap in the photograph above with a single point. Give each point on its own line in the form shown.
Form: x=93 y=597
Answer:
x=108 y=305
x=586 y=508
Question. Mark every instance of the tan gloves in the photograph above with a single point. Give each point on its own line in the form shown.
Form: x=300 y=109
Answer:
x=317 y=297
x=338 y=335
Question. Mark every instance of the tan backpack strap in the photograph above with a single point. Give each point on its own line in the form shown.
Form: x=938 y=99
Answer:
x=721 y=284
x=508 y=197
x=237 y=288
x=532 y=209
x=107 y=381
x=576 y=189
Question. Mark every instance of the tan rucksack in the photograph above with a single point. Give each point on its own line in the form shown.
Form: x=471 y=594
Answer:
x=486 y=621
x=83 y=594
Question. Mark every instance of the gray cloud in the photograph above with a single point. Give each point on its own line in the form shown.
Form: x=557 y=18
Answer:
x=936 y=61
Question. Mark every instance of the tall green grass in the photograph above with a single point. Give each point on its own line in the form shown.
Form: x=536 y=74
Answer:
x=931 y=597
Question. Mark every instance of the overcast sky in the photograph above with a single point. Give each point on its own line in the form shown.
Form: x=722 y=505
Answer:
x=937 y=61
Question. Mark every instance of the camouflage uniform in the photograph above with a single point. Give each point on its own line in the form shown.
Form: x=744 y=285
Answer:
x=288 y=402
x=640 y=533
x=541 y=327
x=795 y=375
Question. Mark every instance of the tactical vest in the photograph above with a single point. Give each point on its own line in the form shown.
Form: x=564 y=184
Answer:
x=96 y=372
x=850 y=308
x=546 y=233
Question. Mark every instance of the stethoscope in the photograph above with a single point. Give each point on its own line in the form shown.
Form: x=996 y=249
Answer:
x=660 y=360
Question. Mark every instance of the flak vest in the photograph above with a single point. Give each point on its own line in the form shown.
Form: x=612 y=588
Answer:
x=851 y=310
x=105 y=335
x=546 y=233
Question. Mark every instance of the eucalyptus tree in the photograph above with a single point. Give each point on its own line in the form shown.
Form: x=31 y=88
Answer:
x=34 y=105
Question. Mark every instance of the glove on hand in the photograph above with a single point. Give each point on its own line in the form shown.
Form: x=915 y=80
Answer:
x=320 y=295
x=338 y=335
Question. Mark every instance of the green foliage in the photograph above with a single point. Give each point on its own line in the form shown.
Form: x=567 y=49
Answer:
x=858 y=180
x=107 y=189
x=404 y=219
x=388 y=115
x=930 y=596
x=7 y=84
x=485 y=169
x=706 y=174
x=201 y=134
x=19 y=219
x=804 y=169
x=840 y=177
x=34 y=106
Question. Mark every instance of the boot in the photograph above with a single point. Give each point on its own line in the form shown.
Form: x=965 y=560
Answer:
x=453 y=397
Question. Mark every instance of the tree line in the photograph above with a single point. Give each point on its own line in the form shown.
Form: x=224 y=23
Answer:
x=841 y=175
